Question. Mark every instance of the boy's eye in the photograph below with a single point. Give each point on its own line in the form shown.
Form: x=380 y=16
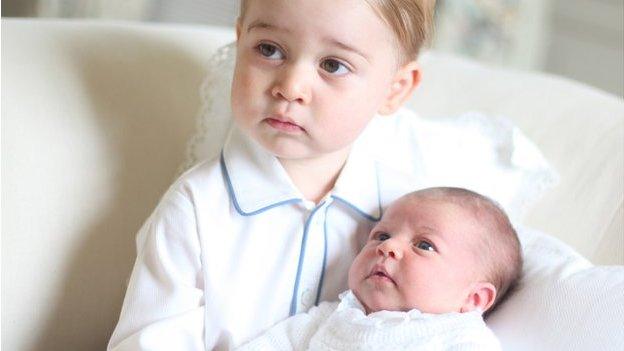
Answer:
x=425 y=246
x=334 y=67
x=270 y=51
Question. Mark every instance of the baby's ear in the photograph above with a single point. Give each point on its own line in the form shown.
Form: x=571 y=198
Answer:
x=481 y=296
x=403 y=84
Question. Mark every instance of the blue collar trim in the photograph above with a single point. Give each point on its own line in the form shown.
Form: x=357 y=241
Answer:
x=359 y=211
x=230 y=189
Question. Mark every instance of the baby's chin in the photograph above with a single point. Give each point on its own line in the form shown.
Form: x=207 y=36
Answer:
x=375 y=303
x=376 y=306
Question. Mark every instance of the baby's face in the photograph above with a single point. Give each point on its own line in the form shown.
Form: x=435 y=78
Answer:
x=310 y=74
x=422 y=254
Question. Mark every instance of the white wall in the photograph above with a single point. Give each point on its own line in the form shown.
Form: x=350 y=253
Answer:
x=218 y=12
x=587 y=42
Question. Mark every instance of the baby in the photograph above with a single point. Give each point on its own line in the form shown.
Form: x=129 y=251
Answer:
x=438 y=259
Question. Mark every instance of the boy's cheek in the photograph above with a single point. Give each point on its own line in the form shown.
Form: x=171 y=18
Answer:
x=243 y=86
x=251 y=78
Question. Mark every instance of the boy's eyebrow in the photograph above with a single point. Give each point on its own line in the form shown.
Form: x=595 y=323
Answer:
x=264 y=25
x=346 y=47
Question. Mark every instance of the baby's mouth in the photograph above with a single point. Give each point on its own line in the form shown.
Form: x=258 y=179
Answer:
x=380 y=274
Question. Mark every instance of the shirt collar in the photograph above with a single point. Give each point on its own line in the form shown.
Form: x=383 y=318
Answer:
x=255 y=178
x=257 y=181
x=358 y=184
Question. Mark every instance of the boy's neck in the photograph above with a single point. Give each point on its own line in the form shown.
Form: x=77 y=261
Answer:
x=315 y=176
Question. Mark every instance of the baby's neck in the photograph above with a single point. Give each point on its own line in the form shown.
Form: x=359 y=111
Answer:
x=315 y=176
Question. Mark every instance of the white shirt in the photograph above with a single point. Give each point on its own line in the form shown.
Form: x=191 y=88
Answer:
x=345 y=326
x=232 y=248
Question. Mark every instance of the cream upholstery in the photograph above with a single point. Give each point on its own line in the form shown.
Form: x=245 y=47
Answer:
x=95 y=117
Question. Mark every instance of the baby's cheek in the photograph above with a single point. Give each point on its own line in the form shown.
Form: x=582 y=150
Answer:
x=419 y=278
x=357 y=271
x=353 y=272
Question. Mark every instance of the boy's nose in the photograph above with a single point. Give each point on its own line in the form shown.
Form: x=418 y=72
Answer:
x=293 y=85
x=390 y=248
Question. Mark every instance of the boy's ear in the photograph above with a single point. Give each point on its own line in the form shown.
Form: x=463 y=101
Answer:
x=405 y=81
x=238 y=28
x=481 y=296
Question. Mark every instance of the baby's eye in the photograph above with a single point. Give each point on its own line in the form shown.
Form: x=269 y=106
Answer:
x=383 y=236
x=334 y=67
x=424 y=245
x=270 y=51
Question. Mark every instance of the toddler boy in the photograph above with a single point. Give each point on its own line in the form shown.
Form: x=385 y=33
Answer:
x=269 y=227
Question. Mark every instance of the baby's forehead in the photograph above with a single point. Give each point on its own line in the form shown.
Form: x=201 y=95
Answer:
x=436 y=213
x=416 y=205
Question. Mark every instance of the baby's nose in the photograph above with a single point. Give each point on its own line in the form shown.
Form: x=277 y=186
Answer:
x=390 y=248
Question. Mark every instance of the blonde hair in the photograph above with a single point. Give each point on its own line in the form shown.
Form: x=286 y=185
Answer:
x=411 y=21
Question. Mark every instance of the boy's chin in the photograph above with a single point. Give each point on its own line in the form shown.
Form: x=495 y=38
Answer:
x=285 y=149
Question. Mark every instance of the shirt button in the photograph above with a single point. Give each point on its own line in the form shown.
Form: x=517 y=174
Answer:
x=308 y=205
x=329 y=200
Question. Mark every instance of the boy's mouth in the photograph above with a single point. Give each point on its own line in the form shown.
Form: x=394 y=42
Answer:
x=284 y=125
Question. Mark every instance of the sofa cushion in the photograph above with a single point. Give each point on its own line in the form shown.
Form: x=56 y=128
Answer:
x=562 y=302
x=95 y=119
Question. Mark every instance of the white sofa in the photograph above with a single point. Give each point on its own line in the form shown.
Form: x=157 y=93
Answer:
x=95 y=119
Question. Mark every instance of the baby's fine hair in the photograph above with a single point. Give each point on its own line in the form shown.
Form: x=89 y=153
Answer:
x=410 y=20
x=499 y=248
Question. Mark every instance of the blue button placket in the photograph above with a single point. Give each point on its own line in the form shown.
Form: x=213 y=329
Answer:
x=294 y=300
x=320 y=283
x=304 y=239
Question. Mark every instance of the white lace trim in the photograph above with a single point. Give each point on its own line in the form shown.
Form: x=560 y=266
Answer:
x=348 y=328
x=351 y=306
x=214 y=116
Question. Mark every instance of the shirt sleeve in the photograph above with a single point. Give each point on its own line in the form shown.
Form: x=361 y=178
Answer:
x=163 y=307
x=293 y=333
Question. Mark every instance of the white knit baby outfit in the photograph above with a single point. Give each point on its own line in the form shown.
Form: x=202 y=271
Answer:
x=345 y=326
